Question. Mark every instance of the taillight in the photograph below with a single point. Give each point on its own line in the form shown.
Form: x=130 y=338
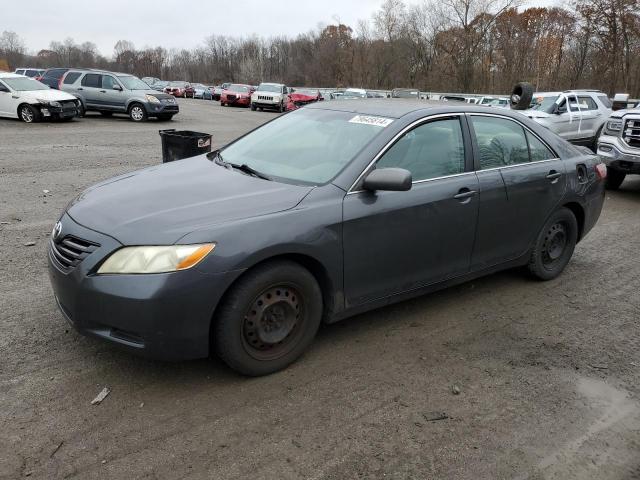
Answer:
x=601 y=171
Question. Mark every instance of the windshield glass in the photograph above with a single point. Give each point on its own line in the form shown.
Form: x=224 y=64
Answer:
x=354 y=94
x=270 y=88
x=24 y=84
x=133 y=83
x=543 y=104
x=405 y=93
x=178 y=84
x=307 y=146
x=239 y=88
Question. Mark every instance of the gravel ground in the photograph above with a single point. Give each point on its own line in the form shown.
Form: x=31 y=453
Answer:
x=548 y=373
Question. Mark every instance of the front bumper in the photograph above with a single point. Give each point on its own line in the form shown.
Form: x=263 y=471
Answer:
x=236 y=101
x=161 y=316
x=618 y=155
x=66 y=111
x=155 y=109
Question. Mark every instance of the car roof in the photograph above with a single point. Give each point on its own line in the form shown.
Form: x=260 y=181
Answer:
x=11 y=75
x=398 y=107
x=270 y=83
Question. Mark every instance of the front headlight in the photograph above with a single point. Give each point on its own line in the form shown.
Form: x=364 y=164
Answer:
x=49 y=103
x=132 y=260
x=614 y=126
x=152 y=99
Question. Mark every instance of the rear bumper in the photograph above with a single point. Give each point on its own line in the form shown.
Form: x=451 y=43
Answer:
x=162 y=316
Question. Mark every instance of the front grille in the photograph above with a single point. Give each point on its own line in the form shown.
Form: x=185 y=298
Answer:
x=631 y=132
x=70 y=251
x=231 y=98
x=264 y=97
x=68 y=106
x=169 y=101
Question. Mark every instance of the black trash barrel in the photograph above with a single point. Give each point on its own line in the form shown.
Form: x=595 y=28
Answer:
x=179 y=144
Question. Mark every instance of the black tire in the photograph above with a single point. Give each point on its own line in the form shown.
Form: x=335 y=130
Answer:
x=253 y=107
x=281 y=107
x=521 y=96
x=137 y=112
x=268 y=318
x=106 y=114
x=222 y=104
x=29 y=114
x=81 y=110
x=614 y=179
x=165 y=118
x=554 y=245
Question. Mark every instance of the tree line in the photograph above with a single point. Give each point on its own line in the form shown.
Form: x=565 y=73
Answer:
x=467 y=46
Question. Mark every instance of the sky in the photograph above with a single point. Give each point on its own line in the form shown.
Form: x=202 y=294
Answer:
x=179 y=24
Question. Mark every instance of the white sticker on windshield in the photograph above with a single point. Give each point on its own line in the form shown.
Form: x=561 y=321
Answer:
x=370 y=120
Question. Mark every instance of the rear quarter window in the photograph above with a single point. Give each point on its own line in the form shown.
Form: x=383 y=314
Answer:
x=71 y=78
x=92 y=80
x=605 y=101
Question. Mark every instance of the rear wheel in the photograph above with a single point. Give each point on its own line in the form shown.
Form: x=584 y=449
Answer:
x=137 y=113
x=28 y=114
x=554 y=245
x=253 y=107
x=614 y=178
x=268 y=318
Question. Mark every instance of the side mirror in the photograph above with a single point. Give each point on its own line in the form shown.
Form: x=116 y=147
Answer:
x=117 y=87
x=388 y=179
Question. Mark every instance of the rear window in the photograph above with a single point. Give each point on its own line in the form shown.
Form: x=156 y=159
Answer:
x=55 y=73
x=71 y=78
x=92 y=80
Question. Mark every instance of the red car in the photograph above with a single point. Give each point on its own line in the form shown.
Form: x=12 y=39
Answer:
x=178 y=89
x=236 y=94
x=189 y=91
x=300 y=98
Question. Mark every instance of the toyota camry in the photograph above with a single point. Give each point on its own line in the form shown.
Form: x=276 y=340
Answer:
x=322 y=213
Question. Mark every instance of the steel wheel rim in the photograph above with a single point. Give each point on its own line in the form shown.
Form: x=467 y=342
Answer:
x=554 y=245
x=26 y=114
x=273 y=323
x=136 y=113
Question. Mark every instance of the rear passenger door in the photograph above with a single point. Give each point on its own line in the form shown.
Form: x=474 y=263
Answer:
x=521 y=181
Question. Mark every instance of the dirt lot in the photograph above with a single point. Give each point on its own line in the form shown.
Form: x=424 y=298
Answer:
x=548 y=372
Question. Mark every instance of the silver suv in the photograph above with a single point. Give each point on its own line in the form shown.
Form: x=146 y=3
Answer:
x=576 y=115
x=270 y=95
x=109 y=93
x=619 y=145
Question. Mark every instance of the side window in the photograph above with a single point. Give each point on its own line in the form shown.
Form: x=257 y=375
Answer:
x=3 y=87
x=538 y=150
x=19 y=72
x=431 y=150
x=501 y=142
x=92 y=80
x=71 y=78
x=587 y=103
x=108 y=82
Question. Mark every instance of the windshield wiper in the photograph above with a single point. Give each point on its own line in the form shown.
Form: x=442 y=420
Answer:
x=247 y=169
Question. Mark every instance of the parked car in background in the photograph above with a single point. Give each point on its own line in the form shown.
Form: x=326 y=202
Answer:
x=30 y=72
x=110 y=92
x=52 y=77
x=189 y=91
x=236 y=94
x=31 y=101
x=619 y=146
x=217 y=92
x=151 y=81
x=302 y=96
x=499 y=102
x=405 y=93
x=245 y=251
x=177 y=89
x=372 y=94
x=353 y=93
x=576 y=115
x=270 y=95
x=201 y=91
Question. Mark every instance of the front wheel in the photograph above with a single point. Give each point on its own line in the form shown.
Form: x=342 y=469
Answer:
x=137 y=113
x=268 y=318
x=253 y=107
x=28 y=114
x=554 y=245
x=614 y=178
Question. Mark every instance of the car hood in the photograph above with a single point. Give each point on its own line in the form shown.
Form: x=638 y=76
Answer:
x=48 y=95
x=161 y=204
x=302 y=97
x=626 y=111
x=534 y=114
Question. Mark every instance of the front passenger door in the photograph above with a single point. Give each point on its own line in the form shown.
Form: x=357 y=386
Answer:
x=112 y=99
x=395 y=242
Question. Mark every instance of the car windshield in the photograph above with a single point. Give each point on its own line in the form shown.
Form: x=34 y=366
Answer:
x=133 y=83
x=309 y=146
x=543 y=103
x=178 y=84
x=24 y=84
x=270 y=88
x=238 y=88
x=405 y=93
x=351 y=93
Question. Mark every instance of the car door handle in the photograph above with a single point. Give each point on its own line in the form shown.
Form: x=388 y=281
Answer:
x=464 y=193
x=103 y=91
x=553 y=175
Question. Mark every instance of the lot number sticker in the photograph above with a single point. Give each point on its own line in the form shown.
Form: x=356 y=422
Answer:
x=369 y=120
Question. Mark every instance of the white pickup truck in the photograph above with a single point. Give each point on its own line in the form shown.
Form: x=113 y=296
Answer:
x=619 y=145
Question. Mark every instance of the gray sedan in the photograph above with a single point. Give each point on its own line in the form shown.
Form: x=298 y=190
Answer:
x=320 y=214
